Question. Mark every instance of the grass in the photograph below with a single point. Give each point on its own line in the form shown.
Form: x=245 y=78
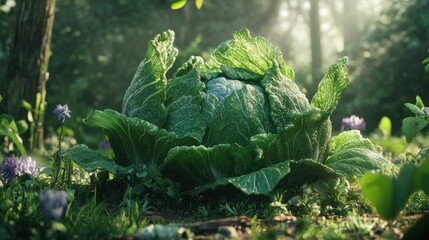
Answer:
x=111 y=210
x=298 y=213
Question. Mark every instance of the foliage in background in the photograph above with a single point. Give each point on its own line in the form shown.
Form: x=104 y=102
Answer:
x=390 y=194
x=101 y=42
x=178 y=4
x=411 y=126
x=388 y=64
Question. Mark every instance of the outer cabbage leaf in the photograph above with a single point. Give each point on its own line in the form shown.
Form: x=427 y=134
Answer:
x=196 y=165
x=194 y=62
x=332 y=86
x=286 y=100
x=249 y=56
x=135 y=141
x=184 y=97
x=146 y=95
x=91 y=160
x=307 y=171
x=308 y=137
x=262 y=181
x=351 y=155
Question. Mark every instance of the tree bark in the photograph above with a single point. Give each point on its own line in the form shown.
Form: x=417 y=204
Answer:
x=27 y=70
x=316 y=46
x=350 y=25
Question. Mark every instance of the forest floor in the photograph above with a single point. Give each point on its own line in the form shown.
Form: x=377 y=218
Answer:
x=283 y=226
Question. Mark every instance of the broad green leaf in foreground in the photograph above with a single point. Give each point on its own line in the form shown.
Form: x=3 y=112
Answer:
x=390 y=194
x=91 y=160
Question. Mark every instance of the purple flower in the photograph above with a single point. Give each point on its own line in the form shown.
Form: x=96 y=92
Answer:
x=353 y=123
x=62 y=112
x=13 y=167
x=53 y=204
x=105 y=145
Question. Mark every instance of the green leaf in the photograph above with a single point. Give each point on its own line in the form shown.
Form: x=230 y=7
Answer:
x=332 y=86
x=307 y=171
x=196 y=165
x=388 y=195
x=411 y=126
x=308 y=137
x=379 y=189
x=240 y=73
x=258 y=182
x=194 y=62
x=286 y=100
x=145 y=97
x=385 y=126
x=241 y=116
x=9 y=128
x=199 y=4
x=415 y=109
x=135 y=141
x=421 y=177
x=246 y=53
x=177 y=4
x=351 y=155
x=27 y=105
x=184 y=97
x=419 y=102
x=91 y=160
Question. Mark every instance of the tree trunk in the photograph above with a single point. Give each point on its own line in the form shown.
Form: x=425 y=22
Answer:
x=27 y=70
x=350 y=25
x=316 y=46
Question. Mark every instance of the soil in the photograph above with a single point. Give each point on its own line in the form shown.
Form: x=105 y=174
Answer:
x=282 y=227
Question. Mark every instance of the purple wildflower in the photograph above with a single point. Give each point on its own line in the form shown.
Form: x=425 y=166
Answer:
x=13 y=167
x=105 y=145
x=353 y=123
x=62 y=112
x=53 y=204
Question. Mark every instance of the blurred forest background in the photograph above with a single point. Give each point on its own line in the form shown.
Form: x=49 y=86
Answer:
x=97 y=45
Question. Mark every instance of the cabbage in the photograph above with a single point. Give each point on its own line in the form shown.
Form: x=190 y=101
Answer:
x=238 y=118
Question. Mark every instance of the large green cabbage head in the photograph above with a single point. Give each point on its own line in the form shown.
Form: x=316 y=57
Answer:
x=238 y=119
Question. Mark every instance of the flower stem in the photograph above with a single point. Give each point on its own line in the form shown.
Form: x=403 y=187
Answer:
x=57 y=163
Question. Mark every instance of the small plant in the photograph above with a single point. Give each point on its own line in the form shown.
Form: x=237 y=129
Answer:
x=390 y=194
x=62 y=113
x=411 y=126
x=10 y=129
